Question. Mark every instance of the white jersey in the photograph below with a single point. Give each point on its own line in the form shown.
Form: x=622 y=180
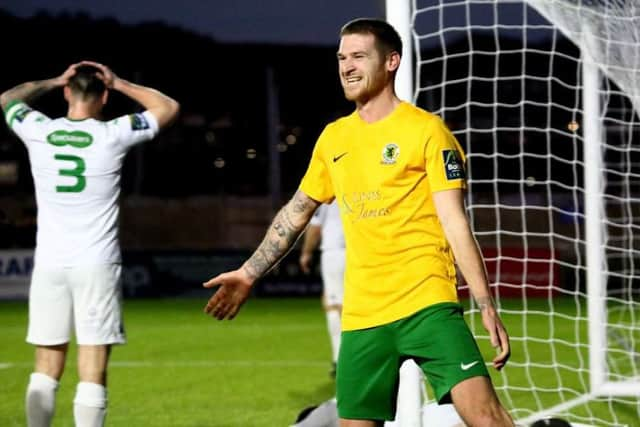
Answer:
x=328 y=218
x=76 y=168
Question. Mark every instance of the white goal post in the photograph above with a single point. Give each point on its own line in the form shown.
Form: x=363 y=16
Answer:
x=545 y=95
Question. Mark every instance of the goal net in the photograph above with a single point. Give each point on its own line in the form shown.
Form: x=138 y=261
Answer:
x=544 y=96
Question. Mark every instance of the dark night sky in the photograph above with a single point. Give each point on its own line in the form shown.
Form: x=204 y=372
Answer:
x=269 y=21
x=306 y=22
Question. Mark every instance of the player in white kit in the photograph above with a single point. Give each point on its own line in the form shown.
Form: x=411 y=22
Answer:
x=76 y=165
x=325 y=229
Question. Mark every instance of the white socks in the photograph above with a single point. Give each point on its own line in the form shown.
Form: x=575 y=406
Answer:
x=40 y=400
x=333 y=324
x=90 y=405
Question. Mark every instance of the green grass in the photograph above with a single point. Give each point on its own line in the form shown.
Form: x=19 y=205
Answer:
x=182 y=368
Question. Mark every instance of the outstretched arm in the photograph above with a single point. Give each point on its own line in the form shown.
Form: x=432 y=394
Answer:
x=281 y=235
x=163 y=108
x=30 y=91
x=450 y=207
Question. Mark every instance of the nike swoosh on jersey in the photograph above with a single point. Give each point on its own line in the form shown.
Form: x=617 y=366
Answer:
x=467 y=366
x=336 y=158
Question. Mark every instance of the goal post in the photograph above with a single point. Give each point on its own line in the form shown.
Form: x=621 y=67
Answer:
x=399 y=15
x=544 y=96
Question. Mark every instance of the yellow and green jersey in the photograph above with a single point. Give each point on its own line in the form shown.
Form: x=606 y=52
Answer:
x=383 y=175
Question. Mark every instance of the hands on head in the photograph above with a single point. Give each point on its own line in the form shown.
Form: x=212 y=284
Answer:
x=63 y=79
x=105 y=74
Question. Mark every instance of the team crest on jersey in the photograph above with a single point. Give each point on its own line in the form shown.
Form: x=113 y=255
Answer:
x=453 y=166
x=390 y=153
x=22 y=113
x=138 y=122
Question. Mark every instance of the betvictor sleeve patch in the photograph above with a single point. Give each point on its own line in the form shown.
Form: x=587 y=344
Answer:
x=453 y=166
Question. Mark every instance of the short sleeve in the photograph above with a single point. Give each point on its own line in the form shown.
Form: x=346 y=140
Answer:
x=445 y=160
x=316 y=182
x=24 y=121
x=135 y=128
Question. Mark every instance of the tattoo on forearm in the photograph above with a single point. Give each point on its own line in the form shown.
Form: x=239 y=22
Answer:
x=484 y=303
x=29 y=91
x=300 y=204
x=280 y=237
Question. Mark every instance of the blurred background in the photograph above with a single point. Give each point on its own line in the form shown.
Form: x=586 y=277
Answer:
x=257 y=81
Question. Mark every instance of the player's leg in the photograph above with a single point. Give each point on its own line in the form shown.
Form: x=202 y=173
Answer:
x=440 y=340
x=477 y=403
x=43 y=384
x=332 y=264
x=98 y=314
x=50 y=320
x=367 y=380
x=90 y=403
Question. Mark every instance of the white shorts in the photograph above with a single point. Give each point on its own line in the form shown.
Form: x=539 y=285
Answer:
x=332 y=269
x=88 y=297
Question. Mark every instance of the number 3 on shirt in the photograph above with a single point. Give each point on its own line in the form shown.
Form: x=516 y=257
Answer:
x=77 y=173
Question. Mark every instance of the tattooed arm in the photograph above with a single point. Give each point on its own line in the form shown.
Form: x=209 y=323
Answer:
x=285 y=229
x=451 y=213
x=30 y=91
x=234 y=286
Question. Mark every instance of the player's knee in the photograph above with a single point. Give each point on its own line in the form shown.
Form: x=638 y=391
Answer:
x=92 y=363
x=50 y=360
x=92 y=373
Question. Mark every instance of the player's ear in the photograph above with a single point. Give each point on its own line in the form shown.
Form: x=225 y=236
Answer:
x=393 y=61
x=67 y=93
x=105 y=97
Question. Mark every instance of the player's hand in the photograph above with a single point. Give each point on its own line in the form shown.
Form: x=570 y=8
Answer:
x=228 y=299
x=105 y=74
x=305 y=262
x=498 y=335
x=63 y=79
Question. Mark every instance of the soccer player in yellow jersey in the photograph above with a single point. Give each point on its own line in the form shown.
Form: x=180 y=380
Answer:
x=398 y=175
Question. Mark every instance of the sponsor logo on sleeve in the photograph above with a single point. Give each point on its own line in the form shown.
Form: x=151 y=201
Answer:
x=22 y=113
x=138 y=122
x=453 y=166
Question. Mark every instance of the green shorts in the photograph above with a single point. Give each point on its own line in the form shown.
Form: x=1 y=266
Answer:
x=437 y=338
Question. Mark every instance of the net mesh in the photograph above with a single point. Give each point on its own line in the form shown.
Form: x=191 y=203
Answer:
x=506 y=76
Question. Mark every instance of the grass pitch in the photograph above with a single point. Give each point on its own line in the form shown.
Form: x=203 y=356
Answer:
x=183 y=368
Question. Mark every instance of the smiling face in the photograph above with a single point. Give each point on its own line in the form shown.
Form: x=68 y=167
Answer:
x=364 y=70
